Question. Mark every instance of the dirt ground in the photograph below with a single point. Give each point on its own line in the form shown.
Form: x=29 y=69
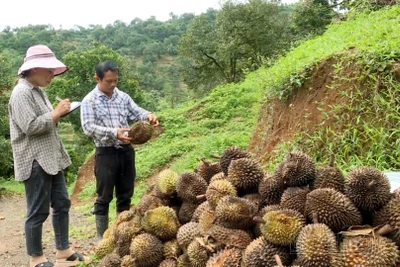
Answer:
x=12 y=240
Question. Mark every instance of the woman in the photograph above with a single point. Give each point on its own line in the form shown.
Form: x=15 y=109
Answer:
x=40 y=156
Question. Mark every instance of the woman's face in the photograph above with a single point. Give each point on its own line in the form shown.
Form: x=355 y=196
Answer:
x=42 y=77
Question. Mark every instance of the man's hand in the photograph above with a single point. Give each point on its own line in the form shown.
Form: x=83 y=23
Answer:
x=122 y=135
x=153 y=119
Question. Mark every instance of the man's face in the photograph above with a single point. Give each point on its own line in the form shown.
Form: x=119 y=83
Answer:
x=108 y=83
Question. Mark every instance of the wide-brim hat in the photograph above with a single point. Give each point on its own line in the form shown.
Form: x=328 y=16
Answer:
x=40 y=56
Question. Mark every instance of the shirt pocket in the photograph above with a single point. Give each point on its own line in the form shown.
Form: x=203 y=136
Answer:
x=123 y=118
x=102 y=117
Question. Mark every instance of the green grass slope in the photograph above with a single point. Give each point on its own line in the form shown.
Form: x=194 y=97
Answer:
x=228 y=116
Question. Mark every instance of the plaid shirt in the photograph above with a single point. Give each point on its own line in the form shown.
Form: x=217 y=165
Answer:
x=33 y=133
x=101 y=116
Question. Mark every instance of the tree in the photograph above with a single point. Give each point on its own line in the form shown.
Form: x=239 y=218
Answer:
x=219 y=46
x=311 y=17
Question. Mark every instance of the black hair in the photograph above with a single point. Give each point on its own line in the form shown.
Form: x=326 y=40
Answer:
x=105 y=66
x=23 y=75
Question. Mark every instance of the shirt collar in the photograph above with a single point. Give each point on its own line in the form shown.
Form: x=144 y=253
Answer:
x=25 y=82
x=101 y=94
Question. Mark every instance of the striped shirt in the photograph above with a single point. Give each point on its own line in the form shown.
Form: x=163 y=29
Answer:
x=101 y=116
x=33 y=133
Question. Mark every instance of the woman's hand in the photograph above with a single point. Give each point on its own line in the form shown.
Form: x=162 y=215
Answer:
x=61 y=109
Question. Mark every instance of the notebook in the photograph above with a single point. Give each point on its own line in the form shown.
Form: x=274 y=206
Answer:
x=74 y=105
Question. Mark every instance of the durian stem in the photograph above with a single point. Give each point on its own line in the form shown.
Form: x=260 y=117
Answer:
x=332 y=160
x=201 y=197
x=384 y=230
x=258 y=219
x=215 y=156
x=278 y=260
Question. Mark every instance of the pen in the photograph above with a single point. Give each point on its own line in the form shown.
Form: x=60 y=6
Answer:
x=58 y=98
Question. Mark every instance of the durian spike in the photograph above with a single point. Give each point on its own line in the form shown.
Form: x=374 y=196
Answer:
x=215 y=156
x=201 y=197
x=372 y=183
x=258 y=219
x=332 y=160
x=278 y=260
x=315 y=217
x=384 y=230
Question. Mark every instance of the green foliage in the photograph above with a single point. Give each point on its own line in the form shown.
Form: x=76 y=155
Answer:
x=375 y=33
x=219 y=46
x=366 y=6
x=311 y=17
x=198 y=129
x=364 y=128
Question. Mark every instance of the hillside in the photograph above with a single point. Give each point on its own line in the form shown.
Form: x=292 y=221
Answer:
x=336 y=93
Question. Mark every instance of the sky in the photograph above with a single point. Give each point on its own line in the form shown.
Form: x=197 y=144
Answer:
x=68 y=13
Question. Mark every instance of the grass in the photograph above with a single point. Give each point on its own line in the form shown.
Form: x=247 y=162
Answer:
x=12 y=186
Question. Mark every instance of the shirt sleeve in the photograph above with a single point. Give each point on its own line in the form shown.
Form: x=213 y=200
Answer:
x=136 y=113
x=88 y=121
x=23 y=112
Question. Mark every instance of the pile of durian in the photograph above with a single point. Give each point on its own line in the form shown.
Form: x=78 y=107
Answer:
x=231 y=212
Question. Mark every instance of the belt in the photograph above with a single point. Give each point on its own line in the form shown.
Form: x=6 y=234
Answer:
x=114 y=149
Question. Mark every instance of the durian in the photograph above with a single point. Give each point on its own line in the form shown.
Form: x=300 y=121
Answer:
x=199 y=251
x=367 y=188
x=161 y=222
x=140 y=132
x=235 y=212
x=329 y=176
x=296 y=170
x=186 y=211
x=218 y=189
x=295 y=198
x=218 y=176
x=168 y=263
x=166 y=182
x=317 y=247
x=127 y=261
x=281 y=227
x=149 y=202
x=146 y=250
x=231 y=153
x=184 y=261
x=245 y=174
x=369 y=251
x=187 y=233
x=332 y=208
x=189 y=186
x=207 y=169
x=110 y=260
x=270 y=190
x=260 y=253
x=200 y=208
x=104 y=247
x=172 y=249
x=230 y=237
x=229 y=257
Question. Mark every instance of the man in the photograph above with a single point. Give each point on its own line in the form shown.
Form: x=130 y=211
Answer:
x=105 y=113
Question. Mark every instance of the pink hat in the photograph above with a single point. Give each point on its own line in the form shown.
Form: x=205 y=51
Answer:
x=40 y=56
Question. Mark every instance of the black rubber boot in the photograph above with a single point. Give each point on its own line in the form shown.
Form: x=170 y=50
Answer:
x=101 y=225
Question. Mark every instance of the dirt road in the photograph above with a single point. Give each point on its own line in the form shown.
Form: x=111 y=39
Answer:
x=12 y=240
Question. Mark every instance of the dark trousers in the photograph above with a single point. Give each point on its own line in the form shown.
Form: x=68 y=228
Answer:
x=42 y=192
x=114 y=167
